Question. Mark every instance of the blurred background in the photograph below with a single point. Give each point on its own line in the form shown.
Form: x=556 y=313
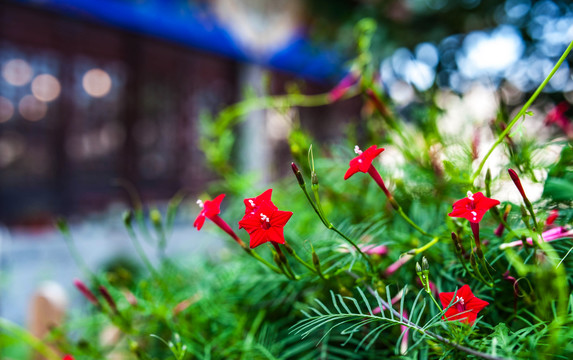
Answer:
x=100 y=95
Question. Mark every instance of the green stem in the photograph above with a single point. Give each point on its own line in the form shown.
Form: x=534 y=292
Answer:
x=521 y=112
x=258 y=257
x=409 y=221
x=303 y=187
x=37 y=344
x=434 y=300
x=425 y=247
x=304 y=263
x=64 y=229
x=141 y=252
x=333 y=228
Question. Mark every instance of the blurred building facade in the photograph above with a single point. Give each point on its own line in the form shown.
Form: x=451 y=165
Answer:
x=88 y=105
x=83 y=105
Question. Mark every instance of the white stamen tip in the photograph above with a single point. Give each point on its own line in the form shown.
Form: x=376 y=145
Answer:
x=470 y=196
x=357 y=150
x=200 y=203
x=252 y=202
x=265 y=218
x=460 y=299
x=474 y=213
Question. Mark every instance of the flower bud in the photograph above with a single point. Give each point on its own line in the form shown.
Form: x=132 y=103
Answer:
x=418 y=269
x=277 y=259
x=62 y=226
x=86 y=292
x=297 y=173
x=517 y=183
x=425 y=264
x=288 y=248
x=128 y=218
x=314 y=179
x=107 y=296
x=315 y=261
x=457 y=243
x=156 y=219
x=473 y=260
x=488 y=183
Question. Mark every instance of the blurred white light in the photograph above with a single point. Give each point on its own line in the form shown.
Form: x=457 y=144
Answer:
x=6 y=109
x=428 y=54
x=96 y=82
x=17 y=72
x=401 y=92
x=419 y=74
x=31 y=108
x=46 y=87
x=490 y=54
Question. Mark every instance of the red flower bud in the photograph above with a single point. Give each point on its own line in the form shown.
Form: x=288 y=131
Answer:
x=517 y=183
x=86 y=292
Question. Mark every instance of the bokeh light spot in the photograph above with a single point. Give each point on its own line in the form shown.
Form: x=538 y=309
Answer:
x=17 y=72
x=96 y=82
x=46 y=87
x=6 y=109
x=31 y=108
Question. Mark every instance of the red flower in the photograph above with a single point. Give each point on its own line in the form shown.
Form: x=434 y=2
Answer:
x=68 y=357
x=265 y=224
x=253 y=204
x=465 y=306
x=363 y=161
x=473 y=207
x=210 y=210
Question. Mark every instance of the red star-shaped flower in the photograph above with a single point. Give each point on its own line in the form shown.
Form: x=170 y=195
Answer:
x=253 y=204
x=465 y=305
x=473 y=207
x=266 y=224
x=363 y=161
x=68 y=357
x=210 y=210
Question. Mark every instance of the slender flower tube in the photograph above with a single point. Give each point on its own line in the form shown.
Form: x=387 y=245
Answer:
x=397 y=264
x=86 y=292
x=549 y=235
x=211 y=210
x=499 y=231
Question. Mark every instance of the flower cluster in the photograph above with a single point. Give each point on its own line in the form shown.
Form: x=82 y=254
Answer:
x=262 y=220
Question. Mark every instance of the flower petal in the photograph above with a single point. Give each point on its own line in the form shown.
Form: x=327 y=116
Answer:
x=446 y=298
x=476 y=305
x=484 y=203
x=250 y=223
x=351 y=171
x=276 y=234
x=199 y=221
x=280 y=218
x=258 y=237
